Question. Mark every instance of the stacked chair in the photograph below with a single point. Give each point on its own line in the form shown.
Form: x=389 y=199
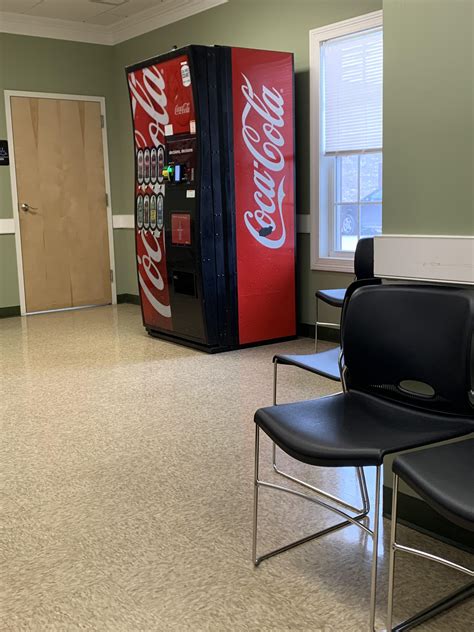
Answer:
x=444 y=477
x=363 y=269
x=326 y=363
x=406 y=375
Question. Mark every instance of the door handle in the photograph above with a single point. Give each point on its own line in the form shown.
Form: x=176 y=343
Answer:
x=26 y=207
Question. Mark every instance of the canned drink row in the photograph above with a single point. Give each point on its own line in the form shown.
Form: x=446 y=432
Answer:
x=150 y=211
x=150 y=164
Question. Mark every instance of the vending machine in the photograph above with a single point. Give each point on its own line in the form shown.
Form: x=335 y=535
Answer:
x=214 y=195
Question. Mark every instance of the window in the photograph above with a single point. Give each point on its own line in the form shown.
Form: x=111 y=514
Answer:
x=346 y=138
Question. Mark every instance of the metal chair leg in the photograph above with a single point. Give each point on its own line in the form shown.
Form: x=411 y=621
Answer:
x=255 y=495
x=458 y=596
x=360 y=471
x=393 y=534
x=373 y=580
x=348 y=519
x=316 y=327
x=275 y=375
x=363 y=489
x=355 y=520
x=320 y=492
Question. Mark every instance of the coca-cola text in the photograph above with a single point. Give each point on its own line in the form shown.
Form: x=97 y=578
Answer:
x=265 y=144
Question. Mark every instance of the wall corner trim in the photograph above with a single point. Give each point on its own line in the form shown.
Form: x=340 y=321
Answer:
x=34 y=26
x=157 y=17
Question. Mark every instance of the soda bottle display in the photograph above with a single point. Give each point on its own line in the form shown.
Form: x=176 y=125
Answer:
x=154 y=165
x=153 y=212
x=140 y=211
x=159 y=211
x=161 y=162
x=146 y=168
x=140 y=166
x=185 y=74
x=146 y=212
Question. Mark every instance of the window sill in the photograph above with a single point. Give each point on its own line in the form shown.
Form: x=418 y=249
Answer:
x=334 y=264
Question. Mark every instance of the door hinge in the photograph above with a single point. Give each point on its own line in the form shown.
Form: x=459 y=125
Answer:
x=111 y=276
x=102 y=121
x=106 y=199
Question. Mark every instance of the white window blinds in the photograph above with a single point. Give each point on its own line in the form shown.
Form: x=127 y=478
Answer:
x=351 y=89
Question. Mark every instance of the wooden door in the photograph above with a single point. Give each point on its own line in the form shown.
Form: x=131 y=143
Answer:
x=60 y=176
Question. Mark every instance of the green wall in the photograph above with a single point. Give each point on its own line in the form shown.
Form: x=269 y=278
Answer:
x=125 y=270
x=428 y=117
x=9 y=295
x=428 y=121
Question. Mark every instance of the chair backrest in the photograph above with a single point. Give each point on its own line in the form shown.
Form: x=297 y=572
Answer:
x=355 y=285
x=364 y=258
x=412 y=344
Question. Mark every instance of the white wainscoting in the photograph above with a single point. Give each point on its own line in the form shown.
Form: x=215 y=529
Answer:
x=123 y=221
x=434 y=258
x=7 y=226
x=303 y=223
x=126 y=221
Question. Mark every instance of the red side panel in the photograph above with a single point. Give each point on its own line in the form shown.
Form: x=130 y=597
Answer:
x=162 y=104
x=262 y=86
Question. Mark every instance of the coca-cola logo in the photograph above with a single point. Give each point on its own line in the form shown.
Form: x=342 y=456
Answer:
x=150 y=95
x=149 y=264
x=262 y=124
x=185 y=108
x=150 y=115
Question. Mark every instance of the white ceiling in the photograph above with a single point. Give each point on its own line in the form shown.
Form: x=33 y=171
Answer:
x=99 y=21
x=102 y=12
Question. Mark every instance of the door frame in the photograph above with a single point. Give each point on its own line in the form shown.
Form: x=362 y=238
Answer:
x=15 y=202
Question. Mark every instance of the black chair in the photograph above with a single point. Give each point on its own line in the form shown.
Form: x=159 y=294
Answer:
x=327 y=364
x=444 y=477
x=415 y=335
x=363 y=269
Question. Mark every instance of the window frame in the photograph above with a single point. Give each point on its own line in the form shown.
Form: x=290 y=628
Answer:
x=322 y=222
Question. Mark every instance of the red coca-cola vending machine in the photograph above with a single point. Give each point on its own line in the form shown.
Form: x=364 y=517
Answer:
x=214 y=195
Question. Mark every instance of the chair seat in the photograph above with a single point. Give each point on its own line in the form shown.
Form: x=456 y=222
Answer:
x=324 y=363
x=332 y=297
x=354 y=429
x=444 y=478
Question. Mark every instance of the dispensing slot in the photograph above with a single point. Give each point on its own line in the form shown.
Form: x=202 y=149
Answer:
x=184 y=283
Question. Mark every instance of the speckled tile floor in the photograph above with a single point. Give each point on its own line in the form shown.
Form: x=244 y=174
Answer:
x=126 y=492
